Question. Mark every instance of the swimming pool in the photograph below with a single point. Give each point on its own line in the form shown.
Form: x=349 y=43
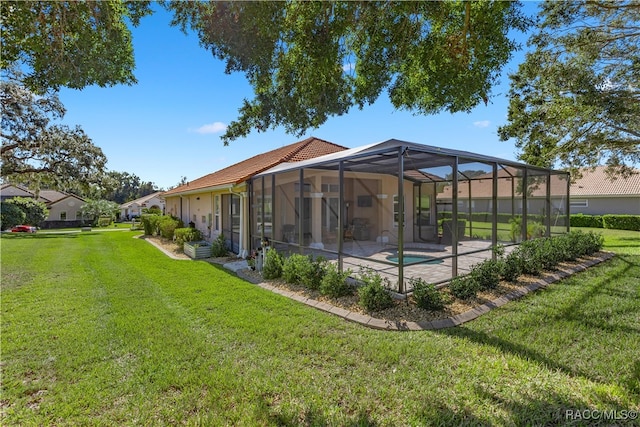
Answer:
x=415 y=259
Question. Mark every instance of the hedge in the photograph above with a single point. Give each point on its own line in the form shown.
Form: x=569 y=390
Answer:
x=619 y=222
x=582 y=220
x=622 y=222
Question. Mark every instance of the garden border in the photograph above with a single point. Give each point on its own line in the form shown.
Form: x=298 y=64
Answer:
x=545 y=279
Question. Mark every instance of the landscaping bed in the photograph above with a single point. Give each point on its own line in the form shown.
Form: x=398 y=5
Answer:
x=403 y=311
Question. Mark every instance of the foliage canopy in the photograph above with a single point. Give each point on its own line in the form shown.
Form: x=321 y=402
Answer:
x=73 y=44
x=308 y=61
x=576 y=98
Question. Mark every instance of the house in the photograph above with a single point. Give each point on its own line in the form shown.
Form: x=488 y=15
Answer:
x=596 y=194
x=219 y=203
x=64 y=208
x=380 y=206
x=134 y=208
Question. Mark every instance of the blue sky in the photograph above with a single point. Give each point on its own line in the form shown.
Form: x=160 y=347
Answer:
x=169 y=124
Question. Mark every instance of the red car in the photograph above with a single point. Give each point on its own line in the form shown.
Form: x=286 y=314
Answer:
x=24 y=229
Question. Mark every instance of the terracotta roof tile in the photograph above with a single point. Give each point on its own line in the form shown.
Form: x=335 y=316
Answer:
x=235 y=174
x=597 y=183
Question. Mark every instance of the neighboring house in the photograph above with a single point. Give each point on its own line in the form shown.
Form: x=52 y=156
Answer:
x=64 y=208
x=596 y=194
x=218 y=203
x=134 y=208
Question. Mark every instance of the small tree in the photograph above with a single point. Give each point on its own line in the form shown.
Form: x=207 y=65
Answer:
x=35 y=211
x=11 y=215
x=94 y=209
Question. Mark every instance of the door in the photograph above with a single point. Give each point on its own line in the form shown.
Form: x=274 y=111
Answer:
x=231 y=221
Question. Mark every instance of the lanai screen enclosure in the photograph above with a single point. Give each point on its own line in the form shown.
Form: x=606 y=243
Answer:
x=406 y=210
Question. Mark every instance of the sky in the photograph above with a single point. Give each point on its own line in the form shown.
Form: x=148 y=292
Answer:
x=169 y=124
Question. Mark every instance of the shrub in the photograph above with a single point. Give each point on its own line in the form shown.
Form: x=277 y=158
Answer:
x=219 y=247
x=512 y=267
x=313 y=276
x=530 y=257
x=295 y=268
x=487 y=273
x=187 y=235
x=582 y=220
x=150 y=224
x=426 y=295
x=11 y=216
x=334 y=283
x=373 y=295
x=464 y=287
x=272 y=268
x=35 y=212
x=622 y=222
x=104 y=221
x=167 y=226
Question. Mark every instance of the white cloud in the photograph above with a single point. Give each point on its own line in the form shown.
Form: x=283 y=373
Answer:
x=215 y=127
x=482 y=124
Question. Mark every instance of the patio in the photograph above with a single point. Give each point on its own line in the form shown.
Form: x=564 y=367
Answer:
x=385 y=205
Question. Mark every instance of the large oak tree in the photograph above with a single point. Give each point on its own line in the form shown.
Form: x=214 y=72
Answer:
x=34 y=148
x=575 y=101
x=308 y=61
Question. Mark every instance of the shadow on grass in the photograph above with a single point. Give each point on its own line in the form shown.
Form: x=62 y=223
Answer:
x=70 y=234
x=581 y=312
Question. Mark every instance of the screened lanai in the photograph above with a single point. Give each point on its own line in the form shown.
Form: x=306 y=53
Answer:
x=406 y=210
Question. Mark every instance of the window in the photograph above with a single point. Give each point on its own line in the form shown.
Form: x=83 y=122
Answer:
x=204 y=219
x=579 y=203
x=217 y=212
x=63 y=216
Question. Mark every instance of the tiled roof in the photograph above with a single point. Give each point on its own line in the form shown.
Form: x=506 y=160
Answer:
x=235 y=174
x=597 y=183
x=50 y=196
x=141 y=200
x=482 y=186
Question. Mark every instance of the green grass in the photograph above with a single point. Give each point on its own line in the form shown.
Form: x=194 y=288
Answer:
x=103 y=329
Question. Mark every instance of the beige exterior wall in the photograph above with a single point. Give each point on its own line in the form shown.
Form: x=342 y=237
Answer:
x=69 y=206
x=605 y=205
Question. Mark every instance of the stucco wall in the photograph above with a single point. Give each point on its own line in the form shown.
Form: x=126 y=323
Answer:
x=608 y=205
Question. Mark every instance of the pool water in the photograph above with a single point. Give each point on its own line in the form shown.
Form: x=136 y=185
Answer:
x=415 y=259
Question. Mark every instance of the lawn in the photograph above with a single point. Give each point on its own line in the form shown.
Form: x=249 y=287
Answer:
x=103 y=329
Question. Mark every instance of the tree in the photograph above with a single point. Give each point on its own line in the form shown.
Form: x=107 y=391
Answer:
x=575 y=101
x=36 y=150
x=10 y=215
x=308 y=61
x=74 y=44
x=94 y=209
x=35 y=212
x=123 y=187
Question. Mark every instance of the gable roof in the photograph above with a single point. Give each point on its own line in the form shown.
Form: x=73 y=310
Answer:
x=235 y=174
x=65 y=197
x=598 y=183
x=46 y=196
x=141 y=200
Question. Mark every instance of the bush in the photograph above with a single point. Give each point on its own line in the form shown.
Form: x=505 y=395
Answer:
x=183 y=235
x=582 y=220
x=334 y=283
x=312 y=277
x=35 y=211
x=167 y=226
x=11 y=215
x=622 y=222
x=104 y=221
x=530 y=257
x=272 y=268
x=295 y=268
x=512 y=267
x=219 y=247
x=464 y=287
x=487 y=273
x=426 y=295
x=150 y=224
x=373 y=295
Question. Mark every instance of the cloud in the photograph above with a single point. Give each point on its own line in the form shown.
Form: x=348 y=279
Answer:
x=482 y=124
x=215 y=127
